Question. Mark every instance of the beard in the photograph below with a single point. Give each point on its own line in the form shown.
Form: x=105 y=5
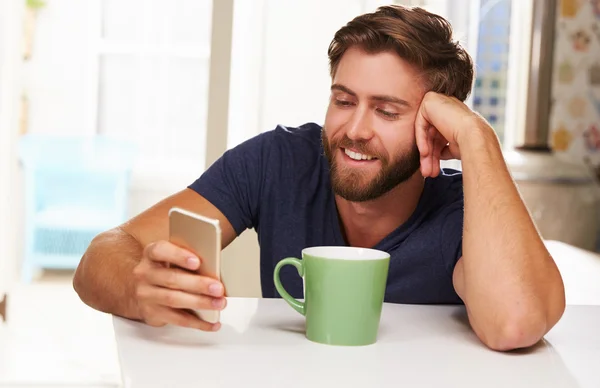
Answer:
x=354 y=185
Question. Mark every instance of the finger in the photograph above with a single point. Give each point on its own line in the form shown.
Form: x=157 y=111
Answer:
x=176 y=279
x=179 y=299
x=432 y=134
x=440 y=144
x=166 y=252
x=421 y=127
x=186 y=319
x=435 y=163
x=425 y=165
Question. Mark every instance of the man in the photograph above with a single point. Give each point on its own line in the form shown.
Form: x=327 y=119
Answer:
x=370 y=177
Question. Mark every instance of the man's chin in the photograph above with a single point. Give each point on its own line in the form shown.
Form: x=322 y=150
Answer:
x=355 y=196
x=359 y=188
x=355 y=192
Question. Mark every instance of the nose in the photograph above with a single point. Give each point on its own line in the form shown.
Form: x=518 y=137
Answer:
x=360 y=125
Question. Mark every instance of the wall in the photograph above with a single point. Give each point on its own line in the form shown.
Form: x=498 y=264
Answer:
x=575 y=116
x=10 y=51
x=55 y=76
x=575 y=119
x=559 y=188
x=296 y=83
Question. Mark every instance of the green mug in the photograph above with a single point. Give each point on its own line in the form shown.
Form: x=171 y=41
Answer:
x=344 y=288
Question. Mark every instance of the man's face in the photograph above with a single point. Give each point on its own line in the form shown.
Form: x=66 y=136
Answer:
x=369 y=136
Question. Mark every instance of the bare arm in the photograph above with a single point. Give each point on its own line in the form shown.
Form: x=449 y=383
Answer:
x=509 y=283
x=105 y=278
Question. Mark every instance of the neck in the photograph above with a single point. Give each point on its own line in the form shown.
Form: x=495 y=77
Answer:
x=366 y=223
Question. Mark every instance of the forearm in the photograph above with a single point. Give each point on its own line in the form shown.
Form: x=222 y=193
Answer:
x=511 y=285
x=104 y=277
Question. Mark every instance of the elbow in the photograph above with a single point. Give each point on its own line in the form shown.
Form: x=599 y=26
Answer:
x=515 y=333
x=522 y=330
x=78 y=279
x=81 y=281
x=524 y=324
x=524 y=327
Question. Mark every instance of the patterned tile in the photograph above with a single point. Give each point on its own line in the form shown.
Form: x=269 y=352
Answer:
x=575 y=114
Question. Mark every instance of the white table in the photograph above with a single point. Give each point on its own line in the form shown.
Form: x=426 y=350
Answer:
x=580 y=270
x=261 y=344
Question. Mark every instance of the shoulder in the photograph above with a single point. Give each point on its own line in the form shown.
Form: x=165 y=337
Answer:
x=283 y=148
x=244 y=175
x=309 y=133
x=302 y=139
x=282 y=142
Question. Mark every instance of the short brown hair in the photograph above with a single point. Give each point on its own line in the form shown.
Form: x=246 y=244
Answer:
x=421 y=38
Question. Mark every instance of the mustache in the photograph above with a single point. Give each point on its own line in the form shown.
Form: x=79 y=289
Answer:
x=362 y=147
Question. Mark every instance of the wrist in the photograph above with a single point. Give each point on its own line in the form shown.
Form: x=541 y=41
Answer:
x=478 y=138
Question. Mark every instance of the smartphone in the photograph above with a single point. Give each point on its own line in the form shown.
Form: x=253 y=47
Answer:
x=202 y=236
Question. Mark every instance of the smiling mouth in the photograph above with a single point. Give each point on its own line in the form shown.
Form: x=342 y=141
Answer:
x=358 y=156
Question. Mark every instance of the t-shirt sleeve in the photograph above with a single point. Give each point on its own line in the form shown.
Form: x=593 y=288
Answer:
x=452 y=233
x=452 y=229
x=233 y=183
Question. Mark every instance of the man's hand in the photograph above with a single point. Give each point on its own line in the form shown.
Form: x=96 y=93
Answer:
x=166 y=294
x=441 y=122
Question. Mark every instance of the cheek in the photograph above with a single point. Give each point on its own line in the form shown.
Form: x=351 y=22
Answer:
x=334 y=121
x=338 y=115
x=397 y=139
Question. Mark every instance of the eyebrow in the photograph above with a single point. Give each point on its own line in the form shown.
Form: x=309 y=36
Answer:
x=383 y=98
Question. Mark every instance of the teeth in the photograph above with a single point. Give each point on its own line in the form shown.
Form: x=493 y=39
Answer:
x=357 y=156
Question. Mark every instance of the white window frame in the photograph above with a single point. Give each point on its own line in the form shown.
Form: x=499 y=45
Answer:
x=171 y=173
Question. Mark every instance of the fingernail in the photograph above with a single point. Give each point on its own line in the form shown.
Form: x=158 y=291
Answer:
x=215 y=289
x=218 y=303
x=216 y=326
x=192 y=262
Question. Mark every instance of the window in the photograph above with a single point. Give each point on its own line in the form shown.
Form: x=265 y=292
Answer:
x=489 y=92
x=152 y=59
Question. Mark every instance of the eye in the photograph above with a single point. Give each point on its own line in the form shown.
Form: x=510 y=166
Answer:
x=343 y=103
x=388 y=115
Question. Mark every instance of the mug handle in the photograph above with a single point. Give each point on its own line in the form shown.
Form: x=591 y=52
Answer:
x=296 y=304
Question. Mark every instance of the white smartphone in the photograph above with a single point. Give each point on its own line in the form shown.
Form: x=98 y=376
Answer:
x=202 y=236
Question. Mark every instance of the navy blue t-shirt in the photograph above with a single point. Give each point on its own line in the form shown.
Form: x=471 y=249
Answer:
x=279 y=184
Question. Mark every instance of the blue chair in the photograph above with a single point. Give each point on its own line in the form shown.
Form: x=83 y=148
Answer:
x=75 y=188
